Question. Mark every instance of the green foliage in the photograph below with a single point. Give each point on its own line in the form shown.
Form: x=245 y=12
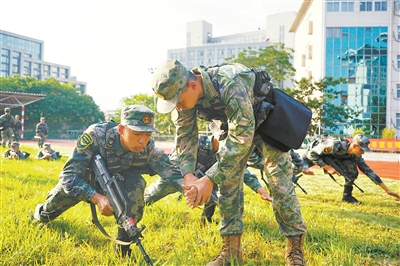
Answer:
x=338 y=233
x=275 y=59
x=388 y=133
x=63 y=106
x=319 y=97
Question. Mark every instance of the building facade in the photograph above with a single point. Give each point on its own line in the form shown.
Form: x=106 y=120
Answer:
x=358 y=40
x=25 y=56
x=204 y=49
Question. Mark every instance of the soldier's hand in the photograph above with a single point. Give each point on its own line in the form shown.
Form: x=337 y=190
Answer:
x=329 y=169
x=264 y=194
x=307 y=171
x=102 y=204
x=199 y=192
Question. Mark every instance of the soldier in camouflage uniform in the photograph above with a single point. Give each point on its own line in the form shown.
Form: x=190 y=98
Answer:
x=47 y=153
x=299 y=166
x=206 y=157
x=14 y=152
x=6 y=125
x=350 y=156
x=128 y=151
x=17 y=128
x=191 y=95
x=41 y=132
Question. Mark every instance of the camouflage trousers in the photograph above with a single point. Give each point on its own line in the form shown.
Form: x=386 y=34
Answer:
x=17 y=135
x=279 y=170
x=6 y=136
x=161 y=188
x=41 y=139
x=58 y=200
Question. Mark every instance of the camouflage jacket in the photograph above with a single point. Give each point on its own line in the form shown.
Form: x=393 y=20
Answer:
x=236 y=89
x=41 y=128
x=42 y=153
x=10 y=152
x=17 y=126
x=104 y=139
x=337 y=148
x=6 y=121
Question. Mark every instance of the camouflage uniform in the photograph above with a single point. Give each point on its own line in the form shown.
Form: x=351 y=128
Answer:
x=236 y=91
x=17 y=130
x=7 y=122
x=337 y=148
x=43 y=153
x=103 y=138
x=42 y=132
x=297 y=161
x=206 y=157
x=11 y=152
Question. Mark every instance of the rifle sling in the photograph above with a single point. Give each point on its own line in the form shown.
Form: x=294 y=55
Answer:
x=96 y=222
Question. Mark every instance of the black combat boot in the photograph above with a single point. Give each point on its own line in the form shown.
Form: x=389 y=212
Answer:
x=347 y=196
x=208 y=212
x=123 y=250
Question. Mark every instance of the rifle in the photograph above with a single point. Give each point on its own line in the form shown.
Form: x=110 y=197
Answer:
x=295 y=179
x=337 y=165
x=120 y=203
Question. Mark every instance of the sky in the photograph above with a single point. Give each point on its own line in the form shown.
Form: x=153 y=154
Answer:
x=112 y=44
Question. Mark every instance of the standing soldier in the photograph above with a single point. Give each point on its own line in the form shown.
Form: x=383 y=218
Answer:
x=228 y=102
x=350 y=156
x=17 y=128
x=41 y=132
x=6 y=127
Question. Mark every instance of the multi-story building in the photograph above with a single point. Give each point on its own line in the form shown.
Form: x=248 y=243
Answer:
x=25 y=56
x=358 y=40
x=204 y=49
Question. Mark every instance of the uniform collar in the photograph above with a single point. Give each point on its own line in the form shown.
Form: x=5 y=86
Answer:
x=210 y=93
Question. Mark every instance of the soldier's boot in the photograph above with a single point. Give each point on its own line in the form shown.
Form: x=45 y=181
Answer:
x=295 y=250
x=208 y=212
x=347 y=195
x=231 y=253
x=123 y=250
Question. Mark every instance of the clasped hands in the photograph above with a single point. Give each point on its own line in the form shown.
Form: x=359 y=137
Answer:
x=197 y=191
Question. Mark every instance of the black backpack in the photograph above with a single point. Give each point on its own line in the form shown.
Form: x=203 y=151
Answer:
x=281 y=120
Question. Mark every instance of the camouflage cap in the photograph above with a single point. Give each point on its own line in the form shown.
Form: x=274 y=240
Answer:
x=361 y=141
x=6 y=109
x=46 y=145
x=15 y=144
x=167 y=83
x=42 y=118
x=138 y=118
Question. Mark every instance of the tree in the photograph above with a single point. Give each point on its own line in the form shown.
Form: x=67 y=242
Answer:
x=319 y=97
x=388 y=133
x=63 y=107
x=275 y=59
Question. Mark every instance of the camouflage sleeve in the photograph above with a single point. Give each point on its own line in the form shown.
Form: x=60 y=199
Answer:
x=75 y=171
x=53 y=154
x=162 y=165
x=186 y=140
x=368 y=171
x=21 y=155
x=255 y=161
x=239 y=112
x=251 y=180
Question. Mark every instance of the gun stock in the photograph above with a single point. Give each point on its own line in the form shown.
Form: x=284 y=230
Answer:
x=119 y=200
x=340 y=169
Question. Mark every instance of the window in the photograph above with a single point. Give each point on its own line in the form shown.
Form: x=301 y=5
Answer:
x=398 y=61
x=366 y=6
x=347 y=6
x=221 y=51
x=27 y=68
x=381 y=6
x=303 y=60
x=310 y=28
x=332 y=5
x=310 y=50
x=398 y=91
x=46 y=70
x=190 y=53
x=398 y=32
x=210 y=52
x=231 y=51
x=398 y=120
x=200 y=53
x=55 y=71
x=282 y=34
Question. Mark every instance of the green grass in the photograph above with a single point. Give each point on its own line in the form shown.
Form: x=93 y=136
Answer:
x=338 y=233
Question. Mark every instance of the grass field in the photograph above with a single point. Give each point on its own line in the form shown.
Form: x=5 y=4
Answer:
x=338 y=233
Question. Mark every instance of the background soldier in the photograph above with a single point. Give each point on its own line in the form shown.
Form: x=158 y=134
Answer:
x=47 y=153
x=14 y=153
x=349 y=155
x=41 y=132
x=6 y=127
x=128 y=151
x=17 y=128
